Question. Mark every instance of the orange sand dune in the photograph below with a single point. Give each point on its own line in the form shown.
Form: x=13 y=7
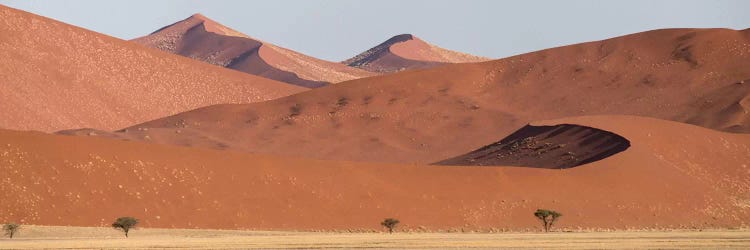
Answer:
x=697 y=76
x=405 y=52
x=201 y=38
x=57 y=76
x=673 y=175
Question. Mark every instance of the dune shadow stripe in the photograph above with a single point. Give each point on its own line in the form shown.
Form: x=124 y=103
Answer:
x=553 y=147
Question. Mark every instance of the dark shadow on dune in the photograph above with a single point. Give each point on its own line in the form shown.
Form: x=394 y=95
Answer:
x=237 y=53
x=380 y=59
x=553 y=147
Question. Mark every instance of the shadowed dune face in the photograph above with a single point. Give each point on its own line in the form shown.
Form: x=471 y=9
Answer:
x=672 y=176
x=56 y=76
x=404 y=52
x=426 y=116
x=203 y=39
x=726 y=107
x=557 y=147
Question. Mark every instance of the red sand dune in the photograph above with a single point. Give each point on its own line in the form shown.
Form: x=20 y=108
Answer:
x=697 y=76
x=201 y=38
x=673 y=175
x=405 y=51
x=57 y=76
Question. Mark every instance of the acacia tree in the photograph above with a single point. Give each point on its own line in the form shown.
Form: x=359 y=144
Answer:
x=11 y=229
x=125 y=224
x=390 y=223
x=547 y=217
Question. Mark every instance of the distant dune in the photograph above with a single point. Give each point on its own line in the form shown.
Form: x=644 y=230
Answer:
x=673 y=175
x=696 y=76
x=201 y=38
x=56 y=76
x=404 y=52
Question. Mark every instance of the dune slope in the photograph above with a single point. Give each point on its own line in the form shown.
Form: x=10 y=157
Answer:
x=672 y=176
x=404 y=52
x=57 y=76
x=201 y=38
x=425 y=116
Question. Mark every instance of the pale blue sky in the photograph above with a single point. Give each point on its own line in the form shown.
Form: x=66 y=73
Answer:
x=338 y=29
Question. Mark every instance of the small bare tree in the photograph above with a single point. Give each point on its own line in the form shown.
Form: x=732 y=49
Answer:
x=125 y=224
x=547 y=217
x=390 y=223
x=11 y=229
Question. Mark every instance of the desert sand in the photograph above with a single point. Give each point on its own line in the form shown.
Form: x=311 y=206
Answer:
x=44 y=237
x=56 y=76
x=86 y=181
x=645 y=134
x=406 y=52
x=201 y=38
x=695 y=76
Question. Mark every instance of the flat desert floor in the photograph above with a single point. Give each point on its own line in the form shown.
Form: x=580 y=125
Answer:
x=52 y=237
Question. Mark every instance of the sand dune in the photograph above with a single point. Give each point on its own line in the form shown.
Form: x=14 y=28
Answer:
x=640 y=166
x=404 y=52
x=673 y=175
x=201 y=38
x=57 y=76
x=697 y=76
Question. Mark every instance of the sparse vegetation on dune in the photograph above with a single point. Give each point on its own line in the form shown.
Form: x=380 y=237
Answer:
x=10 y=229
x=547 y=218
x=390 y=223
x=125 y=224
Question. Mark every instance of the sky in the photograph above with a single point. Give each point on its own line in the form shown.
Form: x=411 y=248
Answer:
x=338 y=29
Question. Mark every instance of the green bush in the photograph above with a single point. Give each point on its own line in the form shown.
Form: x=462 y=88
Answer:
x=547 y=217
x=11 y=229
x=390 y=223
x=125 y=224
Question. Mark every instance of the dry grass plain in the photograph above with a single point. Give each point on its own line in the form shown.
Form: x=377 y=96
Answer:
x=54 y=237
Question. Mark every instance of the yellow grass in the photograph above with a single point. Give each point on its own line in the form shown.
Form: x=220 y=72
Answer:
x=49 y=237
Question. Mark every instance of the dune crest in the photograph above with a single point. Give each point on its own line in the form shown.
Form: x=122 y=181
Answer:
x=425 y=116
x=201 y=38
x=404 y=52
